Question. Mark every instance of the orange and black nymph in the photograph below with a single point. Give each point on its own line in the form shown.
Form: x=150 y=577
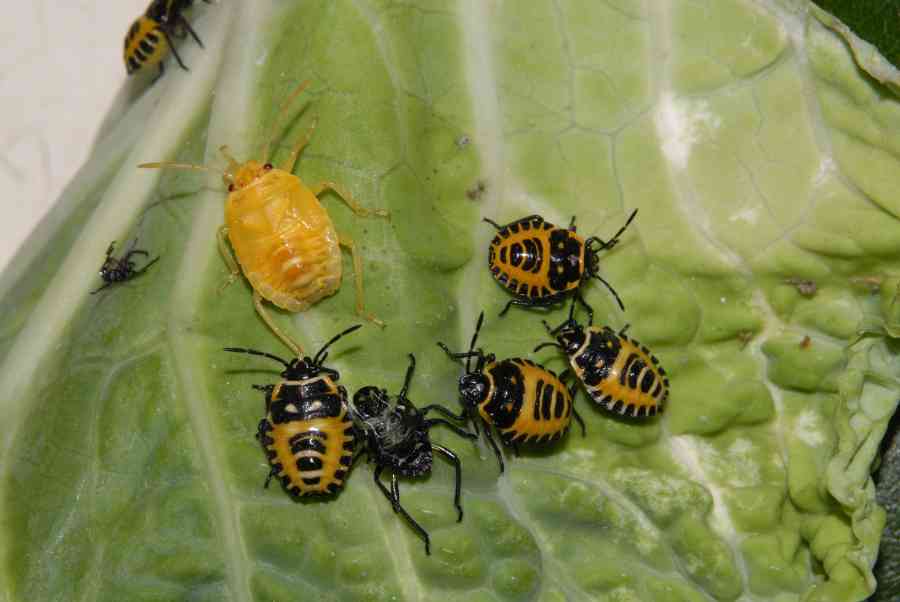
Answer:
x=540 y=263
x=524 y=401
x=619 y=373
x=307 y=434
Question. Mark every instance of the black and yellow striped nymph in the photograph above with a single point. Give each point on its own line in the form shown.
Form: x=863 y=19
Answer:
x=149 y=39
x=307 y=433
x=541 y=264
x=523 y=401
x=619 y=373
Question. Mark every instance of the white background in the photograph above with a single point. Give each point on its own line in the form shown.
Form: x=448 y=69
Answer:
x=60 y=67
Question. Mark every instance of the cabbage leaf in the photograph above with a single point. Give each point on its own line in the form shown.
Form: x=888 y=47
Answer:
x=762 y=270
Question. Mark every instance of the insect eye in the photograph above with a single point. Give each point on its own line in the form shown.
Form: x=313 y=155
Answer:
x=231 y=188
x=267 y=166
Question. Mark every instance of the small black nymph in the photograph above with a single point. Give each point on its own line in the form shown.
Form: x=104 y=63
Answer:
x=395 y=437
x=120 y=269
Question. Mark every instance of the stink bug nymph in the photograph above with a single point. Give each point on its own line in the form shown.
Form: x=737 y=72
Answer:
x=307 y=433
x=395 y=437
x=524 y=401
x=540 y=263
x=120 y=269
x=283 y=238
x=619 y=373
x=149 y=38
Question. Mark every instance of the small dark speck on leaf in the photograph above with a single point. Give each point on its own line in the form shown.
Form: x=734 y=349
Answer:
x=807 y=288
x=745 y=336
x=477 y=191
x=806 y=343
x=463 y=141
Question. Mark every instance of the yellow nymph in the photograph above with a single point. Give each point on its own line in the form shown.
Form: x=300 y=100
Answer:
x=283 y=238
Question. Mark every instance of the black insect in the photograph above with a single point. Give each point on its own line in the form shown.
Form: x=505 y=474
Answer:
x=307 y=433
x=395 y=437
x=121 y=269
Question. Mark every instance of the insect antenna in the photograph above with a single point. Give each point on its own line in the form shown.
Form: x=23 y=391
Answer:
x=612 y=290
x=615 y=239
x=322 y=354
x=623 y=228
x=409 y=374
x=280 y=116
x=172 y=165
x=233 y=164
x=570 y=321
x=474 y=338
x=255 y=352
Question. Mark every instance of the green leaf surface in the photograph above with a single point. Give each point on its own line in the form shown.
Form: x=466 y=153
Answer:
x=762 y=270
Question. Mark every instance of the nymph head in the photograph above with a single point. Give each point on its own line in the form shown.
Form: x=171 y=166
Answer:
x=570 y=336
x=240 y=175
x=473 y=387
x=370 y=402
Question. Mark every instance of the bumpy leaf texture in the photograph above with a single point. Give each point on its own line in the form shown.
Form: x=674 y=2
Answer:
x=765 y=165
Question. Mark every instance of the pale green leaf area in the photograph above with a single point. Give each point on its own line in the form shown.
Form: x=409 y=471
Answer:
x=765 y=167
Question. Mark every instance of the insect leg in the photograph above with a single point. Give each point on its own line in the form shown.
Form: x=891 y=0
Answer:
x=261 y=428
x=462 y=355
x=442 y=410
x=475 y=425
x=395 y=488
x=377 y=476
x=147 y=265
x=110 y=249
x=134 y=252
x=184 y=23
x=523 y=303
x=172 y=48
x=291 y=161
x=580 y=421
x=271 y=474
x=261 y=310
x=412 y=522
x=347 y=242
x=228 y=256
x=624 y=330
x=490 y=438
x=590 y=310
x=409 y=373
x=456 y=464
x=348 y=199
x=547 y=344
x=461 y=432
